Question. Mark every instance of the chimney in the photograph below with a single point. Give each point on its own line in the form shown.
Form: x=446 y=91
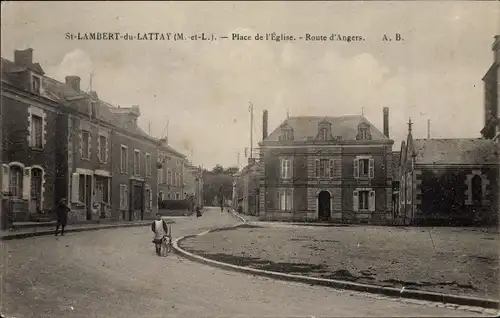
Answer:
x=386 y=122
x=74 y=82
x=264 y=125
x=23 y=57
x=496 y=49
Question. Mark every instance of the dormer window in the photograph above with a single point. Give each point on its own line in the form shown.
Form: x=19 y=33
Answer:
x=93 y=109
x=35 y=84
x=286 y=134
x=323 y=134
x=364 y=132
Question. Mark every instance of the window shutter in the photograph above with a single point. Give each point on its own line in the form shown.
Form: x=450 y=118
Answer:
x=356 y=168
x=371 y=201
x=26 y=183
x=278 y=200
x=125 y=197
x=99 y=154
x=355 y=200
x=89 y=138
x=80 y=135
x=5 y=178
x=289 y=200
x=371 y=168
x=75 y=188
x=150 y=199
x=44 y=125
x=332 y=168
x=290 y=168
x=317 y=167
x=107 y=151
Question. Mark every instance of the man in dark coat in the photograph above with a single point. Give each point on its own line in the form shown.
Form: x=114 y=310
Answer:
x=62 y=216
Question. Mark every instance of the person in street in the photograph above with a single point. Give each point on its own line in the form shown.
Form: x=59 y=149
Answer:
x=198 y=211
x=62 y=210
x=160 y=230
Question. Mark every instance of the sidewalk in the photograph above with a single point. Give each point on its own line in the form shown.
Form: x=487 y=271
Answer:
x=30 y=229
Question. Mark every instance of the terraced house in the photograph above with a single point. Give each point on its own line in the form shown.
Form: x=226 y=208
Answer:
x=327 y=168
x=61 y=142
x=30 y=150
x=170 y=172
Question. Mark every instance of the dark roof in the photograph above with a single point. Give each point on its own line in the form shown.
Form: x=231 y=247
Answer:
x=305 y=127
x=11 y=67
x=455 y=151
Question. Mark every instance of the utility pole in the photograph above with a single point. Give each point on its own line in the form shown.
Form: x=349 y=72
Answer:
x=251 y=129
x=238 y=158
x=149 y=128
x=428 y=129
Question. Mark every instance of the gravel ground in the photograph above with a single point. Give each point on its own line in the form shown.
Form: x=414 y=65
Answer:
x=444 y=260
x=115 y=273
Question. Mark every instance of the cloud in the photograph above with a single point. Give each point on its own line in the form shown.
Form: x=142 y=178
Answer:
x=76 y=62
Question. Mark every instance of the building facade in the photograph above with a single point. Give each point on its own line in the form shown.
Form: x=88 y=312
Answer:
x=247 y=187
x=29 y=139
x=170 y=173
x=59 y=142
x=327 y=168
x=448 y=182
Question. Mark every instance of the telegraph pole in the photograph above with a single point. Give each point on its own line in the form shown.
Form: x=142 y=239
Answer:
x=251 y=129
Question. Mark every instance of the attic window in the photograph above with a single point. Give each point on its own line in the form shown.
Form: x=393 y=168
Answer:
x=35 y=84
x=93 y=109
x=364 y=132
x=286 y=134
x=323 y=134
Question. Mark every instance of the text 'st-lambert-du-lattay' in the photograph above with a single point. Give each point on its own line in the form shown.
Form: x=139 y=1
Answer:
x=204 y=36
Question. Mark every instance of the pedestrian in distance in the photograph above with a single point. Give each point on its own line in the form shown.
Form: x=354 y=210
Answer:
x=198 y=211
x=160 y=230
x=62 y=211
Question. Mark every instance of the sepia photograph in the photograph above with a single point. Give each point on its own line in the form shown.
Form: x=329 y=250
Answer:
x=250 y=159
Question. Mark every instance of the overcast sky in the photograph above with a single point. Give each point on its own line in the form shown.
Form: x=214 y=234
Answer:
x=204 y=88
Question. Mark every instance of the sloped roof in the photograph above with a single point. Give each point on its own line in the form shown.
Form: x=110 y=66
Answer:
x=455 y=151
x=305 y=127
x=11 y=67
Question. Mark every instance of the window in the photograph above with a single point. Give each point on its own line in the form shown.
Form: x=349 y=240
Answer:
x=285 y=199
x=123 y=197
x=364 y=200
x=364 y=133
x=148 y=164
x=137 y=162
x=36 y=184
x=35 y=84
x=85 y=144
x=16 y=182
x=103 y=148
x=168 y=196
x=177 y=196
x=286 y=168
x=36 y=131
x=323 y=134
x=477 y=190
x=364 y=168
x=93 y=109
x=124 y=159
x=324 y=168
x=169 y=177
x=148 y=199
x=409 y=188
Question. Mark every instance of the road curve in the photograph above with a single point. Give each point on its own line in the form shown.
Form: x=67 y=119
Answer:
x=115 y=273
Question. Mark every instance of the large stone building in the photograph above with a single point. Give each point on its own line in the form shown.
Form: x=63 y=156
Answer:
x=61 y=142
x=247 y=187
x=447 y=181
x=170 y=172
x=327 y=168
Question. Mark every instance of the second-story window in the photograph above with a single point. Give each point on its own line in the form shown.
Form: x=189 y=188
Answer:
x=36 y=131
x=324 y=168
x=148 y=164
x=285 y=168
x=169 y=177
x=103 y=148
x=364 y=168
x=137 y=162
x=124 y=159
x=85 y=144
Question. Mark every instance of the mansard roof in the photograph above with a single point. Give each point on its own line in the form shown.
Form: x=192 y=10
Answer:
x=305 y=127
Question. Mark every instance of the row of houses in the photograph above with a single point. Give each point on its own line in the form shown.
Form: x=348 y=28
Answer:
x=344 y=169
x=59 y=142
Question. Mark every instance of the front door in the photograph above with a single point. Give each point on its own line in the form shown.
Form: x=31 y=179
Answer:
x=88 y=196
x=137 y=206
x=324 y=206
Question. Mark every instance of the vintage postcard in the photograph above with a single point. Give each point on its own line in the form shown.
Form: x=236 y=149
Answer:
x=249 y=158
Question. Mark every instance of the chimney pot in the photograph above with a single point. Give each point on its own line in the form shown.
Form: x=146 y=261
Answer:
x=24 y=57
x=386 y=122
x=264 y=125
x=74 y=82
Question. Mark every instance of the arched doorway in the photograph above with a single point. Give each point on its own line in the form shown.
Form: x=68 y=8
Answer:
x=324 y=198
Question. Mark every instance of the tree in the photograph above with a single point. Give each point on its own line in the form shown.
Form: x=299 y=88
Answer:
x=218 y=169
x=232 y=170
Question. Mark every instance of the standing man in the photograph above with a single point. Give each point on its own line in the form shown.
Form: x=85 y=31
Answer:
x=62 y=216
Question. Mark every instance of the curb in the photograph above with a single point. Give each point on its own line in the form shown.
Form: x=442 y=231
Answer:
x=84 y=229
x=373 y=289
